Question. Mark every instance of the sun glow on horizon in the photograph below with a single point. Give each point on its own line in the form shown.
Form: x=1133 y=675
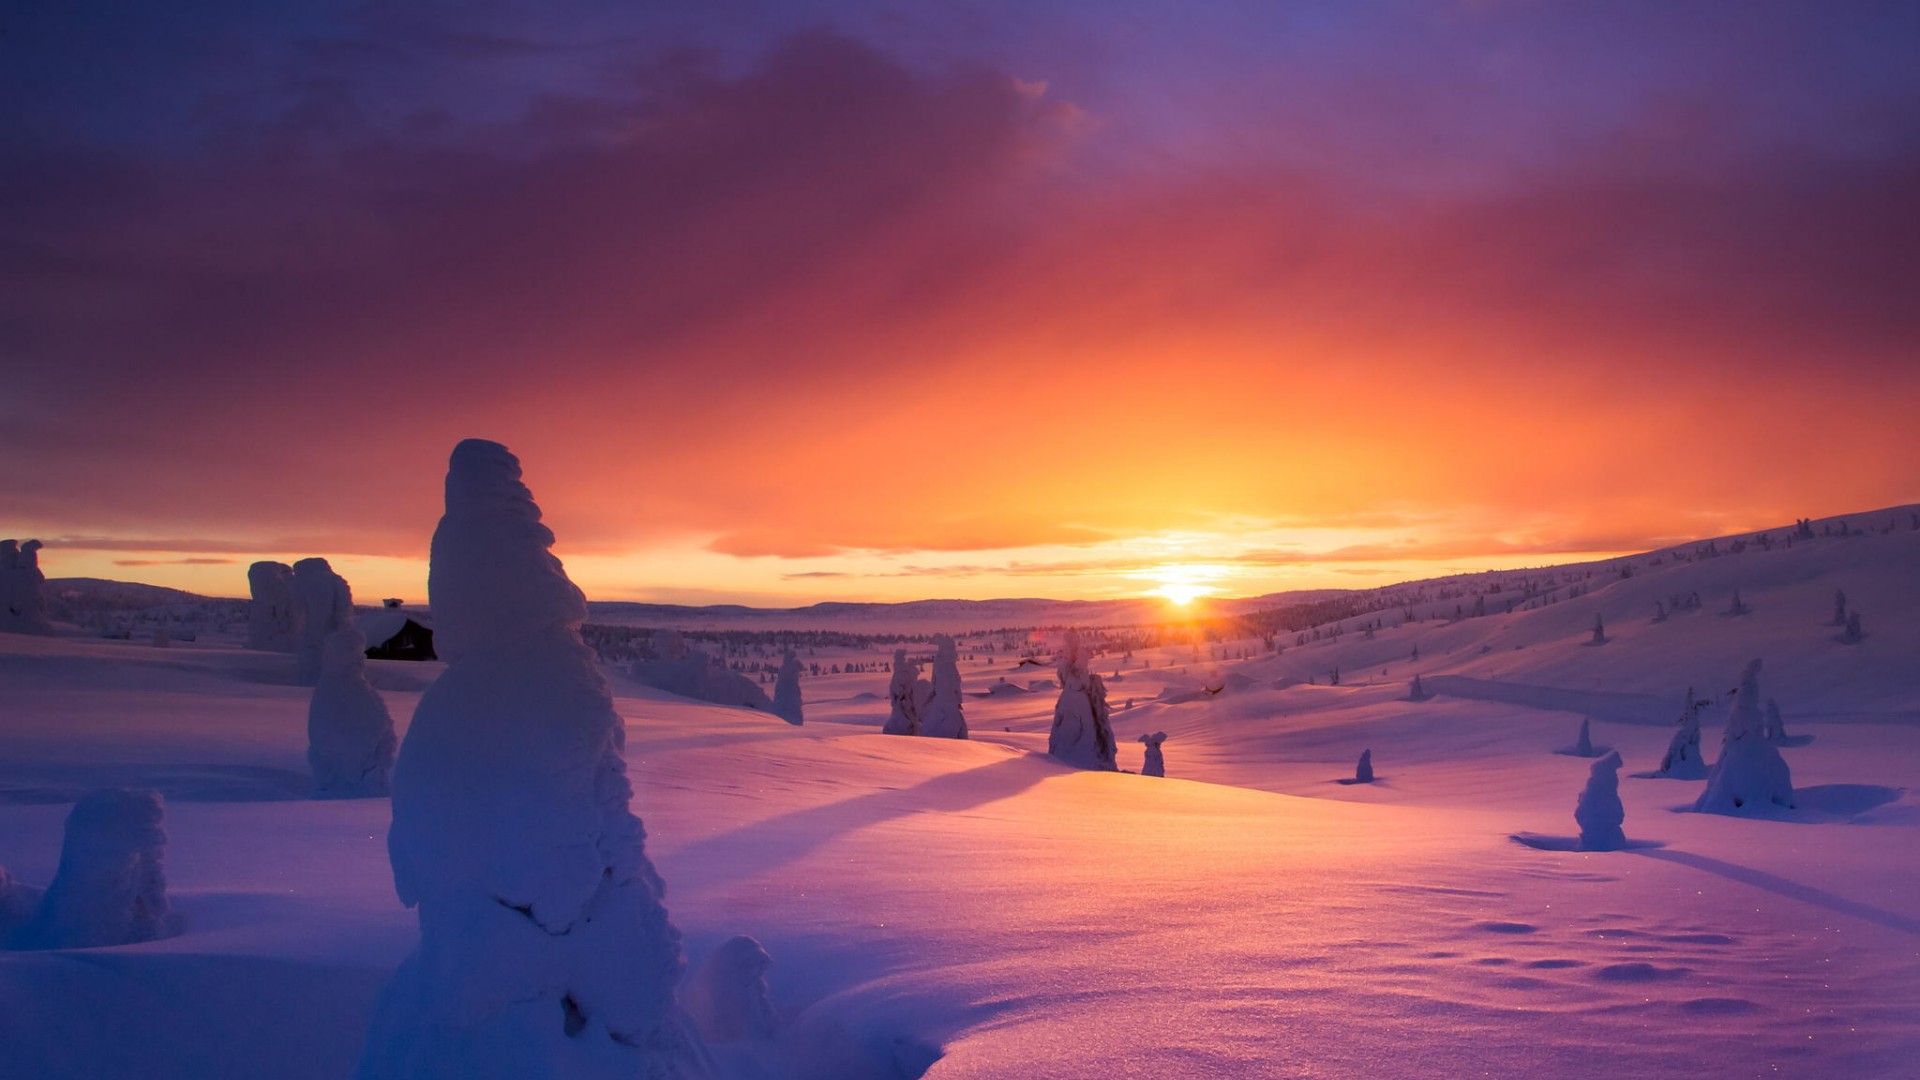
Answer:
x=1180 y=584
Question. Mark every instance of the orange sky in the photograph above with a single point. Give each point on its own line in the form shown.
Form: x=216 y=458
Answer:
x=843 y=326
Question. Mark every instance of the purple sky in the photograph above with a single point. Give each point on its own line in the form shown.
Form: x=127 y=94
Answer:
x=742 y=282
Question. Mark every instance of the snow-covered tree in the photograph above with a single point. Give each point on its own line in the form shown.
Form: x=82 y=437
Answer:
x=1750 y=776
x=324 y=604
x=271 y=625
x=1853 y=634
x=545 y=950
x=1683 y=760
x=727 y=996
x=1776 y=726
x=111 y=886
x=1363 y=769
x=1599 y=631
x=1583 y=746
x=1599 y=811
x=905 y=717
x=350 y=739
x=1419 y=692
x=17 y=903
x=1839 y=608
x=787 y=704
x=941 y=718
x=23 y=607
x=1082 y=734
x=1156 y=762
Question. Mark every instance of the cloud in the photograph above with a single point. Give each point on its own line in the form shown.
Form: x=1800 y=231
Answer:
x=831 y=302
x=173 y=562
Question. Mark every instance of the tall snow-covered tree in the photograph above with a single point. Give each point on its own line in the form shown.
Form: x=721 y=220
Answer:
x=942 y=717
x=545 y=949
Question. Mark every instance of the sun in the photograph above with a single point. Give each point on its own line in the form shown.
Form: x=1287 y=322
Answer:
x=1180 y=584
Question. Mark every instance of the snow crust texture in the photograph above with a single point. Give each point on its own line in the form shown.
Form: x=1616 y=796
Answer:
x=350 y=742
x=545 y=948
x=111 y=886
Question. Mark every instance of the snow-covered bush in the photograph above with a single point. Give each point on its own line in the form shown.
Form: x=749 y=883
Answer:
x=1599 y=811
x=1082 y=733
x=1363 y=769
x=786 y=691
x=727 y=996
x=545 y=949
x=941 y=718
x=323 y=604
x=1156 y=763
x=23 y=606
x=111 y=886
x=905 y=717
x=350 y=740
x=1750 y=776
x=271 y=625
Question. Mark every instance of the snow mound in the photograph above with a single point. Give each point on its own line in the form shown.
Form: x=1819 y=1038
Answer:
x=111 y=886
x=727 y=997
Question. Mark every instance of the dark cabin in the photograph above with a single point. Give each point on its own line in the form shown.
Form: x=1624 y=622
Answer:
x=393 y=634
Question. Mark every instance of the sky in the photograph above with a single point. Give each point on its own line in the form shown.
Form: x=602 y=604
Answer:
x=782 y=303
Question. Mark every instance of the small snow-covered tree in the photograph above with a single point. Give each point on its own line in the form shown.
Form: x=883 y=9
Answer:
x=1683 y=760
x=1839 y=608
x=1363 y=769
x=942 y=718
x=111 y=886
x=545 y=949
x=324 y=604
x=1599 y=631
x=350 y=741
x=905 y=717
x=727 y=996
x=1082 y=733
x=1853 y=635
x=1419 y=692
x=787 y=704
x=1156 y=762
x=1583 y=746
x=1750 y=776
x=23 y=606
x=1598 y=811
x=271 y=614
x=1776 y=726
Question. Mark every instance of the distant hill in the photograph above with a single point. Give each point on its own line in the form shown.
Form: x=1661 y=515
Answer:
x=1496 y=589
x=99 y=594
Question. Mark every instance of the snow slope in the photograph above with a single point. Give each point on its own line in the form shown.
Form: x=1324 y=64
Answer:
x=974 y=909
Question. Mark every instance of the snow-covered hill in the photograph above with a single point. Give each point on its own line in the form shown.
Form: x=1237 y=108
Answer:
x=975 y=910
